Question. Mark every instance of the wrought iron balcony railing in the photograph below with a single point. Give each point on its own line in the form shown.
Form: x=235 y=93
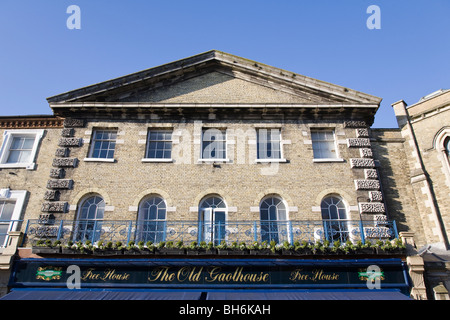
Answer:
x=198 y=231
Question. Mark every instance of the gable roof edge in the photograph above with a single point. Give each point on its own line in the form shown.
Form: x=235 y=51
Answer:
x=230 y=60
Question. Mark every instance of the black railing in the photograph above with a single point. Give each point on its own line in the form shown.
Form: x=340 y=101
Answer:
x=216 y=233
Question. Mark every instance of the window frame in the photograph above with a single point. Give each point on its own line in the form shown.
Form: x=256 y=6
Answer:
x=144 y=223
x=208 y=225
x=276 y=227
x=8 y=138
x=447 y=147
x=18 y=196
x=146 y=158
x=280 y=142
x=94 y=140
x=97 y=222
x=335 y=144
x=339 y=225
x=441 y=144
x=223 y=131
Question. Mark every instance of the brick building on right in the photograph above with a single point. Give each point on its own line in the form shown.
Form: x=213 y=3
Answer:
x=420 y=187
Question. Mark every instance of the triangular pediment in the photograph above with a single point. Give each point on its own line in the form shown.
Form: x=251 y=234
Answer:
x=215 y=77
x=213 y=87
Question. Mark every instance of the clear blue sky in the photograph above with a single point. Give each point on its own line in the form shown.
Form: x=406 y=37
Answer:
x=409 y=57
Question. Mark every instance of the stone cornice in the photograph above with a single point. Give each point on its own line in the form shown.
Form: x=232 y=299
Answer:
x=31 y=122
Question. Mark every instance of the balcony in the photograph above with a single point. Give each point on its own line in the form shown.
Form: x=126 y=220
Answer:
x=215 y=234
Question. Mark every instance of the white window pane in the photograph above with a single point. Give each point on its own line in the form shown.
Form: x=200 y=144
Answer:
x=327 y=149
x=159 y=144
x=24 y=156
x=213 y=144
x=104 y=144
x=16 y=143
x=28 y=143
x=18 y=156
x=268 y=146
x=154 y=136
x=3 y=233
x=6 y=210
x=98 y=135
x=324 y=146
x=13 y=157
x=20 y=150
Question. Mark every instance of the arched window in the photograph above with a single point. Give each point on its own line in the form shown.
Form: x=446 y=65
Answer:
x=152 y=220
x=441 y=143
x=274 y=224
x=334 y=215
x=90 y=217
x=447 y=147
x=212 y=218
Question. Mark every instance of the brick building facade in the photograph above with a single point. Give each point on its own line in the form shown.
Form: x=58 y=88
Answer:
x=217 y=149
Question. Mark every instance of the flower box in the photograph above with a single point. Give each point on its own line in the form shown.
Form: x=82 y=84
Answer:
x=137 y=251
x=364 y=251
x=108 y=252
x=304 y=251
x=201 y=251
x=46 y=250
x=233 y=252
x=76 y=251
x=261 y=252
x=170 y=251
x=288 y=252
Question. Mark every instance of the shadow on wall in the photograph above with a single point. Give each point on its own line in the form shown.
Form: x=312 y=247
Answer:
x=391 y=182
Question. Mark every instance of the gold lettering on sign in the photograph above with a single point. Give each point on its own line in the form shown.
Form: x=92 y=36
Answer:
x=213 y=274
x=314 y=275
x=107 y=275
x=161 y=274
x=238 y=275
x=189 y=274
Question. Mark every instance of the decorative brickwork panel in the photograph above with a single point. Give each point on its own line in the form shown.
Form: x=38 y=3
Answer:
x=46 y=218
x=67 y=132
x=362 y=133
x=375 y=196
x=358 y=142
x=355 y=124
x=70 y=142
x=380 y=219
x=62 y=152
x=366 y=153
x=65 y=162
x=73 y=123
x=362 y=163
x=57 y=173
x=377 y=232
x=54 y=207
x=60 y=184
x=371 y=207
x=370 y=174
x=367 y=185
x=52 y=195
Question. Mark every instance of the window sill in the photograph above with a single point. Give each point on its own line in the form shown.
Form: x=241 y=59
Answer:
x=213 y=160
x=328 y=160
x=28 y=166
x=156 y=160
x=99 y=160
x=270 y=160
